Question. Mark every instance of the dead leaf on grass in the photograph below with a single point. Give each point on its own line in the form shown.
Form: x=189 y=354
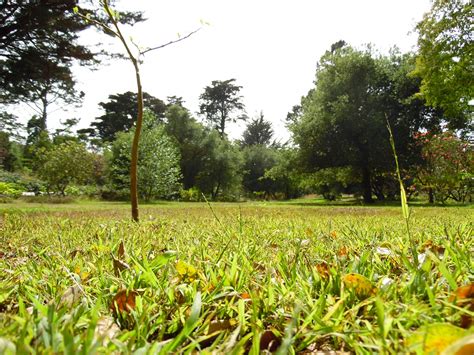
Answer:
x=71 y=296
x=106 y=328
x=323 y=270
x=269 y=341
x=464 y=296
x=434 y=338
x=123 y=301
x=360 y=284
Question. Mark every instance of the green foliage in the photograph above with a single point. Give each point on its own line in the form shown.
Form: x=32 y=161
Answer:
x=219 y=102
x=285 y=174
x=9 y=189
x=158 y=162
x=257 y=160
x=192 y=194
x=331 y=183
x=449 y=167
x=67 y=163
x=121 y=113
x=343 y=119
x=10 y=153
x=258 y=132
x=221 y=173
x=444 y=62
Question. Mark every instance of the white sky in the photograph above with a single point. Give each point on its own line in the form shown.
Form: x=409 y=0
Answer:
x=270 y=46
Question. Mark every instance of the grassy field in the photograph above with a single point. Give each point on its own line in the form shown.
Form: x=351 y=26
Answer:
x=294 y=277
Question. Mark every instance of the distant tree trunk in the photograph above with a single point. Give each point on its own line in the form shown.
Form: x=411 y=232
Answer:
x=216 y=191
x=366 y=185
x=430 y=195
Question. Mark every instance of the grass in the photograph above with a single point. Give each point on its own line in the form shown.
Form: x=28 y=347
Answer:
x=236 y=278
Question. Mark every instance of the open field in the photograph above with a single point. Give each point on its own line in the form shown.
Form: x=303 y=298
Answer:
x=229 y=278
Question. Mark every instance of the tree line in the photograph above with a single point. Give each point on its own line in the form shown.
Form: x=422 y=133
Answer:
x=339 y=145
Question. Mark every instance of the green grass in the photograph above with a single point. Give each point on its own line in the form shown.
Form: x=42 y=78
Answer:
x=250 y=276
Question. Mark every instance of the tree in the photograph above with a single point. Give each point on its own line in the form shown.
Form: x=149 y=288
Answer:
x=10 y=153
x=158 y=162
x=220 y=173
x=39 y=41
x=285 y=174
x=67 y=163
x=121 y=112
x=445 y=59
x=114 y=30
x=257 y=160
x=258 y=132
x=219 y=102
x=191 y=138
x=343 y=120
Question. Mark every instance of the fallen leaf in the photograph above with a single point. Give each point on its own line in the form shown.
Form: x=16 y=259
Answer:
x=269 y=341
x=119 y=266
x=342 y=252
x=434 y=338
x=323 y=269
x=123 y=301
x=463 y=346
x=71 y=296
x=245 y=296
x=121 y=251
x=360 y=284
x=464 y=296
x=333 y=234
x=221 y=324
x=106 y=328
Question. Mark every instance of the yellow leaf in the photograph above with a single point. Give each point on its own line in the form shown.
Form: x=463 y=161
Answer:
x=434 y=338
x=360 y=284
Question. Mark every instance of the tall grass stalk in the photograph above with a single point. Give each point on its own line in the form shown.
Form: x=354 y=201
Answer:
x=403 y=196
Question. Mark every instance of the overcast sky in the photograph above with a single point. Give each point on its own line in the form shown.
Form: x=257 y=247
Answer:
x=270 y=47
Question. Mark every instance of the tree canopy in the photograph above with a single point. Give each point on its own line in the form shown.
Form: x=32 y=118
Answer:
x=445 y=59
x=220 y=103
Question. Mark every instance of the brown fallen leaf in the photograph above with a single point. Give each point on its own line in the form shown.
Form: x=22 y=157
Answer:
x=323 y=270
x=269 y=341
x=119 y=266
x=123 y=302
x=464 y=297
x=121 y=251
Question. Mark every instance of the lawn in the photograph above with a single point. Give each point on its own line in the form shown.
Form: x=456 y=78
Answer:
x=296 y=277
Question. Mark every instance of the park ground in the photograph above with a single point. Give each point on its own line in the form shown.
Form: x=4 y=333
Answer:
x=288 y=277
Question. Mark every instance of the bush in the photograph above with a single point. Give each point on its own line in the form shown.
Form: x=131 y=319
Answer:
x=10 y=190
x=192 y=194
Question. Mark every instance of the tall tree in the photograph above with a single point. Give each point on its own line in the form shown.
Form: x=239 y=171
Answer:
x=220 y=103
x=343 y=122
x=39 y=41
x=445 y=60
x=258 y=132
x=121 y=112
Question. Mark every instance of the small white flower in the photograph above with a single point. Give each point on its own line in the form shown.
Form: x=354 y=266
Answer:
x=421 y=258
x=386 y=281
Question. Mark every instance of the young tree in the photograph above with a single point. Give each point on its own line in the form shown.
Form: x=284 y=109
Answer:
x=219 y=102
x=257 y=160
x=114 y=30
x=446 y=49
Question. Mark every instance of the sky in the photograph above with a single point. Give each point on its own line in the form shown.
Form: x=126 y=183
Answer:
x=271 y=48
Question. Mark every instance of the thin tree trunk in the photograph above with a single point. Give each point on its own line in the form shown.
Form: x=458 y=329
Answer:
x=366 y=185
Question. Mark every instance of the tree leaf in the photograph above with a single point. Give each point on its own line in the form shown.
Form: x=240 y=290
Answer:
x=434 y=338
x=361 y=285
x=123 y=301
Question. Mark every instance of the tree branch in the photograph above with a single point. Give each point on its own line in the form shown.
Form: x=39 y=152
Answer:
x=170 y=42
